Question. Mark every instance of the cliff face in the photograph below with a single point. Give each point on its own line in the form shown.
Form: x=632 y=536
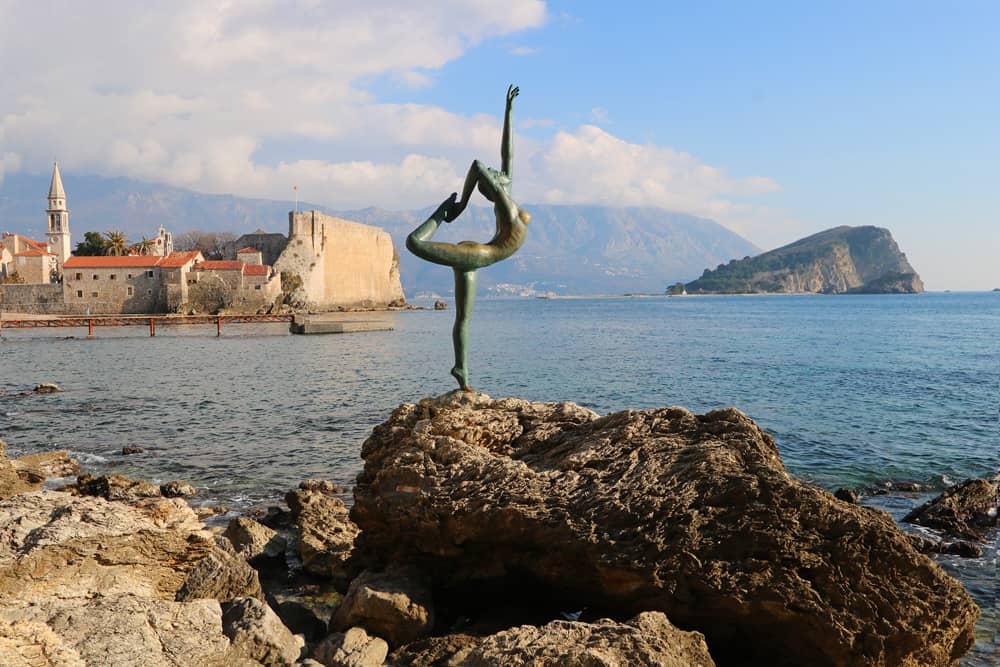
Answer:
x=342 y=264
x=856 y=260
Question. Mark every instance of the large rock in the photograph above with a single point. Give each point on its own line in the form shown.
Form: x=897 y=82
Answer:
x=258 y=633
x=354 y=648
x=692 y=515
x=647 y=639
x=964 y=510
x=395 y=606
x=13 y=481
x=48 y=464
x=324 y=531
x=253 y=540
x=115 y=583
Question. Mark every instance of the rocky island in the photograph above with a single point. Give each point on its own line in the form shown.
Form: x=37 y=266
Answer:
x=842 y=260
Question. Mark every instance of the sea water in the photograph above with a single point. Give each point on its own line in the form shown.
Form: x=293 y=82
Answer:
x=856 y=390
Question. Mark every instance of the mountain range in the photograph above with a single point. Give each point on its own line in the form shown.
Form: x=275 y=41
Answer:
x=570 y=249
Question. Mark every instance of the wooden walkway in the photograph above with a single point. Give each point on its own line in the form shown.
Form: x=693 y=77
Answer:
x=151 y=321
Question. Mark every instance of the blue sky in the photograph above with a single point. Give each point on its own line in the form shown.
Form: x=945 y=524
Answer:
x=776 y=119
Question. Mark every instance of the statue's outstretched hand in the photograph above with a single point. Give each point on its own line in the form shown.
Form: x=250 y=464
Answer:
x=512 y=92
x=447 y=207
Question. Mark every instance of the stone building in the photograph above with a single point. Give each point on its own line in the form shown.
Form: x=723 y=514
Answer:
x=33 y=261
x=174 y=271
x=106 y=284
x=232 y=284
x=250 y=255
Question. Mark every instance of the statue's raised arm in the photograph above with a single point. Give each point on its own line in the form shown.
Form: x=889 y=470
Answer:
x=507 y=143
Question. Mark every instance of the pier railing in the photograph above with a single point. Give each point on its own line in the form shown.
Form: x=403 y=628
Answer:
x=151 y=321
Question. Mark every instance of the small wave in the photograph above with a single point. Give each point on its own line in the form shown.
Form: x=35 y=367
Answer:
x=86 y=457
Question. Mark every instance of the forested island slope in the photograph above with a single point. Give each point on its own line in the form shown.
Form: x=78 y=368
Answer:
x=842 y=260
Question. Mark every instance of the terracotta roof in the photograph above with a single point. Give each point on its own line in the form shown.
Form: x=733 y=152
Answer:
x=247 y=249
x=32 y=252
x=176 y=260
x=111 y=262
x=219 y=265
x=256 y=269
x=40 y=245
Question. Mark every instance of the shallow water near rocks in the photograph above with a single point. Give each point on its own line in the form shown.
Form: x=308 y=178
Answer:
x=855 y=389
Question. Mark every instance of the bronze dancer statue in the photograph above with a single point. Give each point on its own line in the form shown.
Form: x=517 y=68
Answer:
x=467 y=257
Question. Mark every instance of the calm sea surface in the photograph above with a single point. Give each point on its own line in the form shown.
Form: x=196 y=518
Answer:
x=855 y=389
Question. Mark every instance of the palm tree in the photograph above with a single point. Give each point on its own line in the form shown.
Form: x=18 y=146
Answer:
x=117 y=243
x=143 y=247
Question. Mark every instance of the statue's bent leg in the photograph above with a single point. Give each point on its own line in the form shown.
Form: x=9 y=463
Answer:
x=465 y=298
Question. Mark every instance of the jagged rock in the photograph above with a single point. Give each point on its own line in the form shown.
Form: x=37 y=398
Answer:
x=132 y=449
x=12 y=481
x=440 y=305
x=32 y=644
x=354 y=648
x=113 y=487
x=221 y=575
x=692 y=515
x=847 y=495
x=257 y=632
x=395 y=606
x=47 y=388
x=321 y=486
x=48 y=464
x=926 y=545
x=253 y=540
x=647 y=639
x=177 y=489
x=325 y=534
x=102 y=578
x=963 y=510
x=445 y=651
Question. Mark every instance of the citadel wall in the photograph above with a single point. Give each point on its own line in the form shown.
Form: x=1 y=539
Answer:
x=342 y=264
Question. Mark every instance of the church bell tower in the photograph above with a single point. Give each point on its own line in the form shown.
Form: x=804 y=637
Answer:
x=58 y=236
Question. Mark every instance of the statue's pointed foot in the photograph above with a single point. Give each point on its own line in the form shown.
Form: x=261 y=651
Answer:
x=462 y=376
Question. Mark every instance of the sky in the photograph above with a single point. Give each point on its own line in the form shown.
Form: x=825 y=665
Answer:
x=776 y=119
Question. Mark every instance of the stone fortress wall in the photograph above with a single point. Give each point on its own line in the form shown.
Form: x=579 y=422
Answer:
x=342 y=264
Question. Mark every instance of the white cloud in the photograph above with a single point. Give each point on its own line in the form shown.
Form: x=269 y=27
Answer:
x=194 y=93
x=599 y=115
x=523 y=51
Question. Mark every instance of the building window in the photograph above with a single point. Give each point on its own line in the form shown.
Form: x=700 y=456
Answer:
x=256 y=286
x=112 y=276
x=149 y=292
x=149 y=274
x=130 y=276
x=79 y=293
x=93 y=294
x=79 y=276
x=130 y=291
x=95 y=276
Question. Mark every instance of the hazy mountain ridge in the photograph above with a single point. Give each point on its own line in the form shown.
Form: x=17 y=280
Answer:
x=835 y=261
x=569 y=250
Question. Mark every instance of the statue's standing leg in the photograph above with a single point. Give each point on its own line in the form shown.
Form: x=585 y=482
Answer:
x=465 y=298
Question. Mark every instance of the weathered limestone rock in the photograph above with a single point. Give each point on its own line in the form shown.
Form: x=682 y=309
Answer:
x=445 y=651
x=177 y=489
x=258 y=633
x=48 y=464
x=132 y=449
x=395 y=606
x=113 y=487
x=253 y=540
x=325 y=532
x=220 y=575
x=29 y=644
x=692 y=515
x=963 y=510
x=354 y=648
x=440 y=305
x=647 y=639
x=101 y=582
x=47 y=388
x=13 y=481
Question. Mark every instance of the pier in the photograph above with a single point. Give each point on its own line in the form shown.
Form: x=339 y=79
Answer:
x=150 y=321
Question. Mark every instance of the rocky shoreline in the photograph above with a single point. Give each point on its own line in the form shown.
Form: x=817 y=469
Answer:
x=491 y=532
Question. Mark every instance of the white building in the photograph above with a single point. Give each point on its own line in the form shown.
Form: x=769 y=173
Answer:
x=58 y=219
